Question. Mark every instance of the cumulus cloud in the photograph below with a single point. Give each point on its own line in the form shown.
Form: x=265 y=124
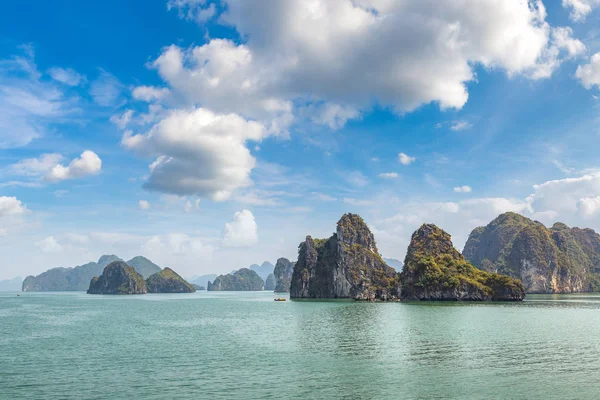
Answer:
x=48 y=167
x=425 y=50
x=11 y=206
x=144 y=205
x=388 y=175
x=589 y=74
x=122 y=120
x=67 y=76
x=49 y=245
x=580 y=8
x=87 y=164
x=463 y=189
x=198 y=152
x=405 y=159
x=242 y=231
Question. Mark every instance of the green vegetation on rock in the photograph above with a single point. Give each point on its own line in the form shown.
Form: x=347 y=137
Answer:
x=435 y=270
x=168 y=281
x=243 y=279
x=548 y=260
x=143 y=266
x=118 y=278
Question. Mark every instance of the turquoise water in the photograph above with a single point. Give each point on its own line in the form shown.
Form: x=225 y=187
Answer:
x=245 y=345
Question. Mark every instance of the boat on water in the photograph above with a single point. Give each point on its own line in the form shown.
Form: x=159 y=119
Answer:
x=280 y=299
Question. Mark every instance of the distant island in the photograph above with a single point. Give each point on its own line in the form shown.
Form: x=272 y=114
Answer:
x=78 y=278
x=118 y=278
x=548 y=260
x=243 y=279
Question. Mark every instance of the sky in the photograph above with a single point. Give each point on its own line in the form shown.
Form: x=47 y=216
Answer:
x=211 y=135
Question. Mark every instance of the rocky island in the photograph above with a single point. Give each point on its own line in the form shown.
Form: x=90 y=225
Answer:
x=243 y=279
x=78 y=278
x=118 y=278
x=347 y=265
x=435 y=270
x=548 y=260
x=168 y=281
x=283 y=274
x=270 y=282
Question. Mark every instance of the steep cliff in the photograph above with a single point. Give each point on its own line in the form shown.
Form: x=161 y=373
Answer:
x=118 y=278
x=168 y=281
x=548 y=260
x=283 y=274
x=241 y=280
x=347 y=265
x=435 y=270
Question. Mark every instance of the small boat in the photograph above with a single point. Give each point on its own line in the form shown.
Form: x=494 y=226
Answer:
x=280 y=299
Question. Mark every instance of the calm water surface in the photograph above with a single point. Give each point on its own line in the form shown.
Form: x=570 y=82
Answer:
x=245 y=345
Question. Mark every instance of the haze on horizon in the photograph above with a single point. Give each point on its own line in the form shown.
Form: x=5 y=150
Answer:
x=211 y=135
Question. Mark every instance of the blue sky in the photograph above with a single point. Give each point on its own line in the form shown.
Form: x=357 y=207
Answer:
x=209 y=135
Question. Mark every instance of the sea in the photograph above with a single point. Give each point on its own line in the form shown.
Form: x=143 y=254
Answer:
x=244 y=345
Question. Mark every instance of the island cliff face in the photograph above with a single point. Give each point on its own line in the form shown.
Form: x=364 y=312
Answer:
x=283 y=274
x=243 y=279
x=118 y=278
x=435 y=270
x=347 y=265
x=270 y=282
x=168 y=281
x=548 y=260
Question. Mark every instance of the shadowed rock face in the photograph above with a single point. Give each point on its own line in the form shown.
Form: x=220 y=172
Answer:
x=168 y=281
x=241 y=280
x=283 y=274
x=435 y=270
x=118 y=278
x=548 y=260
x=347 y=265
x=270 y=282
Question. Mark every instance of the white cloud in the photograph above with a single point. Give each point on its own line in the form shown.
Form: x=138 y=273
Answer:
x=460 y=125
x=356 y=178
x=198 y=152
x=106 y=90
x=580 y=8
x=463 y=189
x=11 y=206
x=589 y=74
x=426 y=51
x=67 y=76
x=85 y=165
x=149 y=93
x=388 y=175
x=36 y=166
x=49 y=245
x=405 y=159
x=196 y=10
x=144 y=205
x=242 y=231
x=589 y=206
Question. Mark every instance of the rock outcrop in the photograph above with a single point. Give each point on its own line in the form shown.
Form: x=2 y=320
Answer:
x=270 y=282
x=548 y=260
x=118 y=278
x=78 y=278
x=263 y=270
x=241 y=280
x=435 y=270
x=168 y=281
x=347 y=265
x=283 y=274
